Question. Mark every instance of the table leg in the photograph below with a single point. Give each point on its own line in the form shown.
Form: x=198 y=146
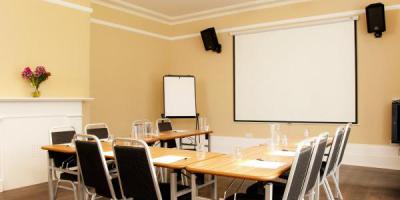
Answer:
x=268 y=191
x=193 y=186
x=50 y=179
x=209 y=142
x=180 y=143
x=173 y=185
x=215 y=189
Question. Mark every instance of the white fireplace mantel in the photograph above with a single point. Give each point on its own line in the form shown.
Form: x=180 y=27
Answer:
x=24 y=128
x=45 y=99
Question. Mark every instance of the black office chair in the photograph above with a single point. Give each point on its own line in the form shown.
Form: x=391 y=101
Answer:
x=166 y=125
x=292 y=189
x=100 y=130
x=312 y=187
x=96 y=177
x=136 y=172
x=64 y=166
x=328 y=168
x=340 y=159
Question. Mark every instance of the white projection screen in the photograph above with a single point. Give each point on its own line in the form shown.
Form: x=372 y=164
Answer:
x=302 y=74
x=179 y=96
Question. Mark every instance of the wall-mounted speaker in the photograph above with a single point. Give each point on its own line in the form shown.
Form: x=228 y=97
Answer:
x=376 y=19
x=210 y=40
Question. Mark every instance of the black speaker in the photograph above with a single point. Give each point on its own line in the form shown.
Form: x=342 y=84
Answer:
x=376 y=19
x=396 y=122
x=210 y=40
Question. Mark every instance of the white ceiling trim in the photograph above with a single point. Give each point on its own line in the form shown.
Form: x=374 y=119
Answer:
x=318 y=19
x=197 y=16
x=70 y=5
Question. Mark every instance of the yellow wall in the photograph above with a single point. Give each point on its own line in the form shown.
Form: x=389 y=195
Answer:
x=38 y=33
x=126 y=77
x=130 y=54
x=378 y=79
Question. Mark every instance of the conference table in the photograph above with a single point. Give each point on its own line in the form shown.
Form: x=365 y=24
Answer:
x=257 y=163
x=156 y=152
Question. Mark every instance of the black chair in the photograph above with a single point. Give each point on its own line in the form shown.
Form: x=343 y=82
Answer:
x=328 y=168
x=292 y=190
x=63 y=165
x=166 y=125
x=312 y=187
x=97 y=179
x=100 y=130
x=136 y=172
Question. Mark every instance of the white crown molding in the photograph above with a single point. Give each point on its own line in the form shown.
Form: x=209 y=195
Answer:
x=318 y=19
x=197 y=16
x=70 y=5
x=128 y=28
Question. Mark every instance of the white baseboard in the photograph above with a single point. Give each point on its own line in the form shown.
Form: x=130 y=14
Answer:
x=366 y=155
x=1 y=185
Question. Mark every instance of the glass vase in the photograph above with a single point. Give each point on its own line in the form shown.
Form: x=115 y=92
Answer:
x=36 y=93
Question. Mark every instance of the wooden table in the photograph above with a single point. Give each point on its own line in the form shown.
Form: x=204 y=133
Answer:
x=178 y=134
x=232 y=167
x=191 y=158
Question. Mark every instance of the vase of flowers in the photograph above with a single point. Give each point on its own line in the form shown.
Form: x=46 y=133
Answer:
x=35 y=78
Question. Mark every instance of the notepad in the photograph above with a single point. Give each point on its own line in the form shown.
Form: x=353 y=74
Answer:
x=284 y=153
x=109 y=153
x=262 y=164
x=169 y=159
x=179 y=131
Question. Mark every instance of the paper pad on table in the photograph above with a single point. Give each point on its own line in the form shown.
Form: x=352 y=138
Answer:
x=284 y=153
x=180 y=131
x=109 y=153
x=168 y=159
x=262 y=164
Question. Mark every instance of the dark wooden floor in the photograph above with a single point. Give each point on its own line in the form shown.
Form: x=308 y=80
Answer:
x=357 y=183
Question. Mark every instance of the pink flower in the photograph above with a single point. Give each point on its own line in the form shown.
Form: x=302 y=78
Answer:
x=27 y=73
x=39 y=71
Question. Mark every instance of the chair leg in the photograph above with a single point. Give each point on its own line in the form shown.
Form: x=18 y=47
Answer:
x=56 y=189
x=328 y=195
x=328 y=189
x=75 y=191
x=339 y=193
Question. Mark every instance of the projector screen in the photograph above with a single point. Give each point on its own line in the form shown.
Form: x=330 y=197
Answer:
x=299 y=74
x=179 y=96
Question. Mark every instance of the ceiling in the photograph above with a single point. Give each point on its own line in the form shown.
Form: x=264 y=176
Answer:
x=180 y=11
x=175 y=8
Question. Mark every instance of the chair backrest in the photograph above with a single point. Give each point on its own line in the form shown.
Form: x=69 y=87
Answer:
x=135 y=170
x=317 y=158
x=164 y=125
x=100 y=130
x=62 y=134
x=298 y=173
x=344 y=143
x=334 y=151
x=92 y=165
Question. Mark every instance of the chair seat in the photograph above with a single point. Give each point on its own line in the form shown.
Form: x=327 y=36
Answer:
x=166 y=191
x=68 y=177
x=257 y=190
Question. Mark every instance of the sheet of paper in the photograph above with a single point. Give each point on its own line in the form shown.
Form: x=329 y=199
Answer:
x=180 y=131
x=262 y=164
x=168 y=159
x=284 y=153
x=109 y=153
